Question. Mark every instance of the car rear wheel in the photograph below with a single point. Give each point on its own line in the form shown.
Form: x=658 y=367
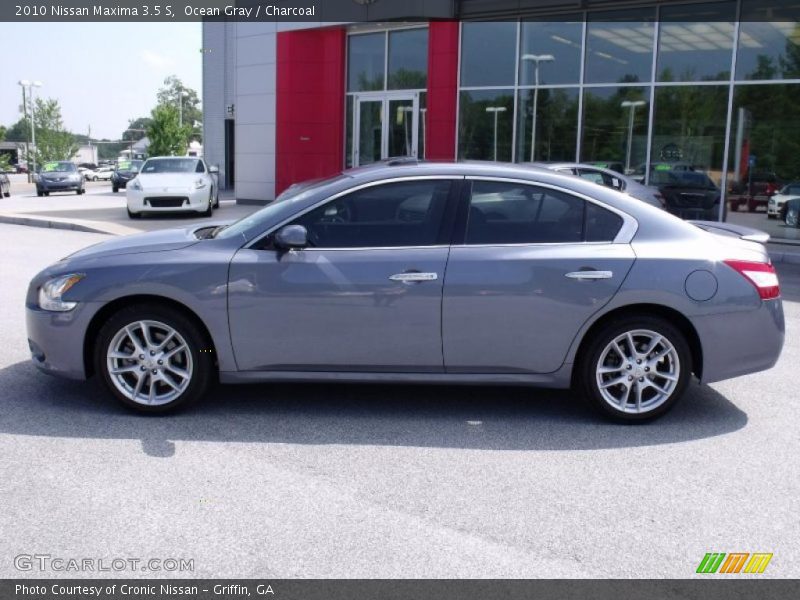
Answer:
x=635 y=369
x=153 y=359
x=39 y=193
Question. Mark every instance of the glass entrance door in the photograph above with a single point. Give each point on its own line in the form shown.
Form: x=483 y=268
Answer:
x=386 y=126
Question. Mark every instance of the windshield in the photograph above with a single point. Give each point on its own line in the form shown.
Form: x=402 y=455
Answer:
x=58 y=167
x=129 y=165
x=293 y=193
x=172 y=165
x=793 y=189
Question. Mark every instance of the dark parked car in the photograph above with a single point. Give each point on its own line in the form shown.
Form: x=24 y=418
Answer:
x=436 y=273
x=753 y=191
x=5 y=185
x=687 y=194
x=125 y=171
x=58 y=176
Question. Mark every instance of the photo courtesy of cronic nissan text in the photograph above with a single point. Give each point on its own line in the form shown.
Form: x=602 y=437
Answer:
x=400 y=299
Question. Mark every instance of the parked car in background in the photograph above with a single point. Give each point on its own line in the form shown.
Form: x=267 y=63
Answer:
x=86 y=173
x=433 y=272
x=58 y=176
x=173 y=184
x=611 y=179
x=688 y=194
x=123 y=173
x=753 y=191
x=639 y=173
x=5 y=186
x=610 y=165
x=103 y=174
x=22 y=168
x=777 y=200
x=90 y=166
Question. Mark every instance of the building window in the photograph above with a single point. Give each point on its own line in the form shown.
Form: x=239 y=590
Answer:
x=550 y=52
x=408 y=59
x=695 y=42
x=619 y=46
x=615 y=126
x=488 y=54
x=486 y=124
x=768 y=49
x=366 y=64
x=553 y=130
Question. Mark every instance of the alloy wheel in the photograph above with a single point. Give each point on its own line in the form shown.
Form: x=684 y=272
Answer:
x=149 y=362
x=638 y=371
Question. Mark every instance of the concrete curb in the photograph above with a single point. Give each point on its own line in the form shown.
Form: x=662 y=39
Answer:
x=72 y=225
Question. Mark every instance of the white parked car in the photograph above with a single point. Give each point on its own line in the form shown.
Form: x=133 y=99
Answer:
x=102 y=174
x=788 y=192
x=87 y=174
x=173 y=183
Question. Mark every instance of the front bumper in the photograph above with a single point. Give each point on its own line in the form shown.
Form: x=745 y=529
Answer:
x=56 y=339
x=170 y=200
x=59 y=186
x=753 y=344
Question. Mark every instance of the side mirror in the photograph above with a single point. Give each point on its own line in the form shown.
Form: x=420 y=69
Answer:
x=291 y=237
x=213 y=169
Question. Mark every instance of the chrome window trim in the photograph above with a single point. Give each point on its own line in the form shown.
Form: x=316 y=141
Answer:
x=356 y=188
x=624 y=235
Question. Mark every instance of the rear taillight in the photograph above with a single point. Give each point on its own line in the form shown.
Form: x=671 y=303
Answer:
x=761 y=275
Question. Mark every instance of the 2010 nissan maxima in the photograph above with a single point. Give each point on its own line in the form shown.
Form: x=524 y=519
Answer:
x=436 y=273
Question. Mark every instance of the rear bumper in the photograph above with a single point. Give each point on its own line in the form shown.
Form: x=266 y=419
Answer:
x=753 y=344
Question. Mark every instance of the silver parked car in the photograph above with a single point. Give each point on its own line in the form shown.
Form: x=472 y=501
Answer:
x=610 y=179
x=437 y=273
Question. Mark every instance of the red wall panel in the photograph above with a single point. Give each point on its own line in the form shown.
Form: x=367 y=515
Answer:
x=309 y=137
x=442 y=89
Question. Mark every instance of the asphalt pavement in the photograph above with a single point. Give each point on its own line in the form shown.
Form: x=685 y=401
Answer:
x=389 y=480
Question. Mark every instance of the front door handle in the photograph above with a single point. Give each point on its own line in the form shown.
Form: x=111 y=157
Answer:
x=589 y=275
x=413 y=277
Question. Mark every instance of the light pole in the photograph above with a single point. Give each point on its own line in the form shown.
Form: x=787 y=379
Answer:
x=632 y=105
x=496 y=110
x=183 y=94
x=29 y=85
x=537 y=59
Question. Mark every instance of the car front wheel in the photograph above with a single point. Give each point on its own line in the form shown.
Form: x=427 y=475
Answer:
x=153 y=358
x=635 y=369
x=792 y=216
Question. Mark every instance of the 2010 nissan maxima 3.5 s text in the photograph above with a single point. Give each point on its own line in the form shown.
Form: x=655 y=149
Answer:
x=406 y=272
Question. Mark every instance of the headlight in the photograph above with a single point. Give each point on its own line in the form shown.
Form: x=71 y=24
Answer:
x=75 y=177
x=50 y=293
x=200 y=184
x=135 y=185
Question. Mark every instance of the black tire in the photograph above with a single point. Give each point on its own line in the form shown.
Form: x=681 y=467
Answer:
x=203 y=371
x=586 y=377
x=94 y=178
x=114 y=189
x=210 y=210
x=79 y=192
x=216 y=200
x=133 y=215
x=7 y=194
x=39 y=192
x=769 y=216
x=47 y=193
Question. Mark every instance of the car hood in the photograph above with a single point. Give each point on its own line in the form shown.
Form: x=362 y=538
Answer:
x=169 y=180
x=154 y=241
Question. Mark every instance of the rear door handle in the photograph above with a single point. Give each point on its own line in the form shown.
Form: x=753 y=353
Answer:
x=589 y=275
x=413 y=277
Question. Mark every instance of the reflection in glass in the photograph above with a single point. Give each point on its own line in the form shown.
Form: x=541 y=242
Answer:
x=422 y=127
x=765 y=132
x=369 y=131
x=365 y=62
x=769 y=49
x=695 y=42
x=562 y=41
x=408 y=59
x=619 y=47
x=553 y=130
x=401 y=127
x=478 y=137
x=615 y=127
x=689 y=127
x=488 y=53
x=348 y=126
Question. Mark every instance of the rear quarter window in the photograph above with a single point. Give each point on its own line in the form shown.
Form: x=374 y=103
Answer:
x=601 y=225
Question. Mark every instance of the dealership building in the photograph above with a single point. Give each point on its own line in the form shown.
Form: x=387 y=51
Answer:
x=712 y=84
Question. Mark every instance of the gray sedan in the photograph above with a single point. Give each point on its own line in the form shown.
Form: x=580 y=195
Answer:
x=435 y=273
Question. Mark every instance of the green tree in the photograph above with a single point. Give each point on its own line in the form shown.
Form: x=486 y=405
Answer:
x=176 y=94
x=19 y=131
x=53 y=142
x=137 y=128
x=167 y=137
x=3 y=130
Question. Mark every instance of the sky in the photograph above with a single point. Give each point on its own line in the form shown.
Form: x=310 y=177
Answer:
x=103 y=74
